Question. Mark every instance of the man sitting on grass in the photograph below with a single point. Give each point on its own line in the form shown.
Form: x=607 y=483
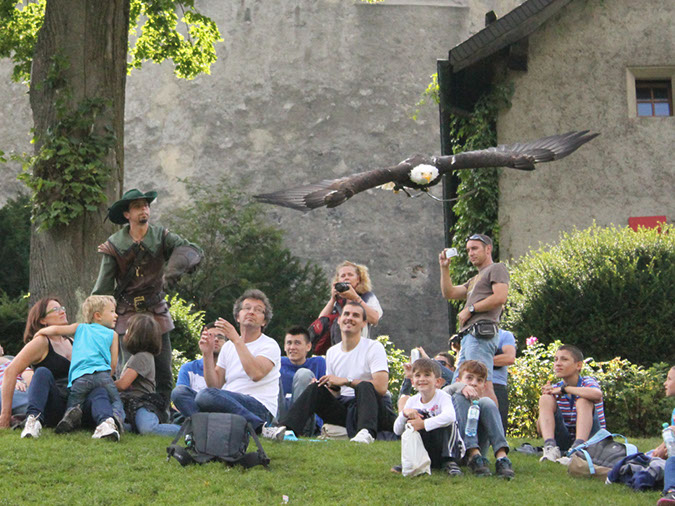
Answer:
x=432 y=414
x=469 y=387
x=351 y=394
x=298 y=371
x=572 y=410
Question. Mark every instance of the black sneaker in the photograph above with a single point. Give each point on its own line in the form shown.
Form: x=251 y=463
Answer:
x=479 y=465
x=119 y=423
x=452 y=469
x=71 y=420
x=504 y=468
x=397 y=469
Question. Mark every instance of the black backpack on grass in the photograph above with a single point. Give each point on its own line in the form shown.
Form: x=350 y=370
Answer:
x=221 y=437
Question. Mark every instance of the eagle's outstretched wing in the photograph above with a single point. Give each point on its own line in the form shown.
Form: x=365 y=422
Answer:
x=333 y=192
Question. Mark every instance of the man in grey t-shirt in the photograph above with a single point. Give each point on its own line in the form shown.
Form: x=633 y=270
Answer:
x=485 y=295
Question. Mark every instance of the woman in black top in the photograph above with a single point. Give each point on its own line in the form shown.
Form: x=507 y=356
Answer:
x=50 y=358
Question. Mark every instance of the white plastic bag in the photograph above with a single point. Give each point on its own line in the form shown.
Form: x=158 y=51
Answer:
x=414 y=457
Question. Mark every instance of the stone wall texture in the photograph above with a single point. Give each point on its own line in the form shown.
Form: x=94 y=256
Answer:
x=303 y=91
x=576 y=80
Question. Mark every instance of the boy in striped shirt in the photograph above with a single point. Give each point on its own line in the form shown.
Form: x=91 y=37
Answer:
x=571 y=410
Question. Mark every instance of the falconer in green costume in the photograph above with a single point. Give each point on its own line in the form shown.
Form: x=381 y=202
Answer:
x=138 y=262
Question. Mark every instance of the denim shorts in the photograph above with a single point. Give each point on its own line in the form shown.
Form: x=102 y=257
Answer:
x=481 y=350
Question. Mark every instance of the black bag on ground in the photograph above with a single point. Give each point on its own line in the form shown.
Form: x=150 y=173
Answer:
x=221 y=437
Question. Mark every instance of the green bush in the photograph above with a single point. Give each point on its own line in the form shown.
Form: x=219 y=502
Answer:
x=188 y=324
x=242 y=250
x=634 y=398
x=609 y=291
x=396 y=357
x=15 y=246
x=13 y=314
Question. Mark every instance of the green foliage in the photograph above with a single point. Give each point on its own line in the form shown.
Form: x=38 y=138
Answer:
x=14 y=246
x=19 y=25
x=188 y=327
x=609 y=291
x=478 y=192
x=396 y=357
x=13 y=314
x=242 y=250
x=160 y=39
x=68 y=174
x=532 y=369
x=634 y=397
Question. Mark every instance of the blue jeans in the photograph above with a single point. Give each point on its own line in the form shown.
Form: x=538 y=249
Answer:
x=490 y=429
x=562 y=435
x=148 y=423
x=183 y=398
x=48 y=402
x=669 y=475
x=215 y=400
x=86 y=383
x=482 y=350
x=19 y=402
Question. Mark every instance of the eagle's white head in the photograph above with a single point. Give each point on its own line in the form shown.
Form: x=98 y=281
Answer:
x=423 y=174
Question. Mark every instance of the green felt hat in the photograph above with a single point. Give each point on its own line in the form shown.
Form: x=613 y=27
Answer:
x=117 y=210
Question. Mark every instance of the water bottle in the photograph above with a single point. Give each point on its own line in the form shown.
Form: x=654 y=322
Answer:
x=669 y=439
x=472 y=420
x=188 y=441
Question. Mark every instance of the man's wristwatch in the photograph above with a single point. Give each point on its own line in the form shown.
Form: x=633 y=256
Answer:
x=349 y=382
x=472 y=309
x=563 y=390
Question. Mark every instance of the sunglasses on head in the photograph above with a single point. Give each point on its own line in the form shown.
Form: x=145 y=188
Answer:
x=477 y=237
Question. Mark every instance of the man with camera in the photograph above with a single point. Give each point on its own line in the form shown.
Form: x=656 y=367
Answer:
x=485 y=295
x=351 y=394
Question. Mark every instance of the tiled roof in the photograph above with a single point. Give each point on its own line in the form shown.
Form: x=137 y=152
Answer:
x=519 y=23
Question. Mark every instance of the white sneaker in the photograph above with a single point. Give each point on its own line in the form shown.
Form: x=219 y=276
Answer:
x=276 y=433
x=363 y=436
x=33 y=427
x=107 y=429
x=551 y=453
x=330 y=431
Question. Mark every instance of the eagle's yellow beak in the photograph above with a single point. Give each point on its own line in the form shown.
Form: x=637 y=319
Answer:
x=427 y=177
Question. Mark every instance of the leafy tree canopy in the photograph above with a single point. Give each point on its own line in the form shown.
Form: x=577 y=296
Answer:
x=153 y=30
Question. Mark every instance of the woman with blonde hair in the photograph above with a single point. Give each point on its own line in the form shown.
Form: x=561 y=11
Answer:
x=352 y=282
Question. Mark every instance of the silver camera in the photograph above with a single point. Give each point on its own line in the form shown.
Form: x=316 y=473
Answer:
x=450 y=252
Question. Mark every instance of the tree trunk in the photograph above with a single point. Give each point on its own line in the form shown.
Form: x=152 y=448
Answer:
x=91 y=37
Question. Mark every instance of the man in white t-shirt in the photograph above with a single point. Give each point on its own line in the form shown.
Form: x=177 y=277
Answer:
x=351 y=393
x=245 y=380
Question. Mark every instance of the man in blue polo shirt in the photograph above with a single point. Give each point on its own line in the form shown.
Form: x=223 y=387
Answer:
x=191 y=375
x=297 y=370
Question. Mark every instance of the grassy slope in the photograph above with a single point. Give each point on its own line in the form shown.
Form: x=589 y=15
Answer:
x=73 y=469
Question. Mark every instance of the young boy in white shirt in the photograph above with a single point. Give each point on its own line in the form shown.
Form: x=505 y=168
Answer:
x=432 y=414
x=470 y=386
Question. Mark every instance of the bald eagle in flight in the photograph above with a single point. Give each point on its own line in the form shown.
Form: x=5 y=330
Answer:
x=420 y=172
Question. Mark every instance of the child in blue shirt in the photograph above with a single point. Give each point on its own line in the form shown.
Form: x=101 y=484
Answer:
x=95 y=349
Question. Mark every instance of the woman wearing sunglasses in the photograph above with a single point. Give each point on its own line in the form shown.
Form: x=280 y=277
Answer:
x=50 y=359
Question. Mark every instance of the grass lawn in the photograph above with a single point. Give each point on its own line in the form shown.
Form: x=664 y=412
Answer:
x=74 y=469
